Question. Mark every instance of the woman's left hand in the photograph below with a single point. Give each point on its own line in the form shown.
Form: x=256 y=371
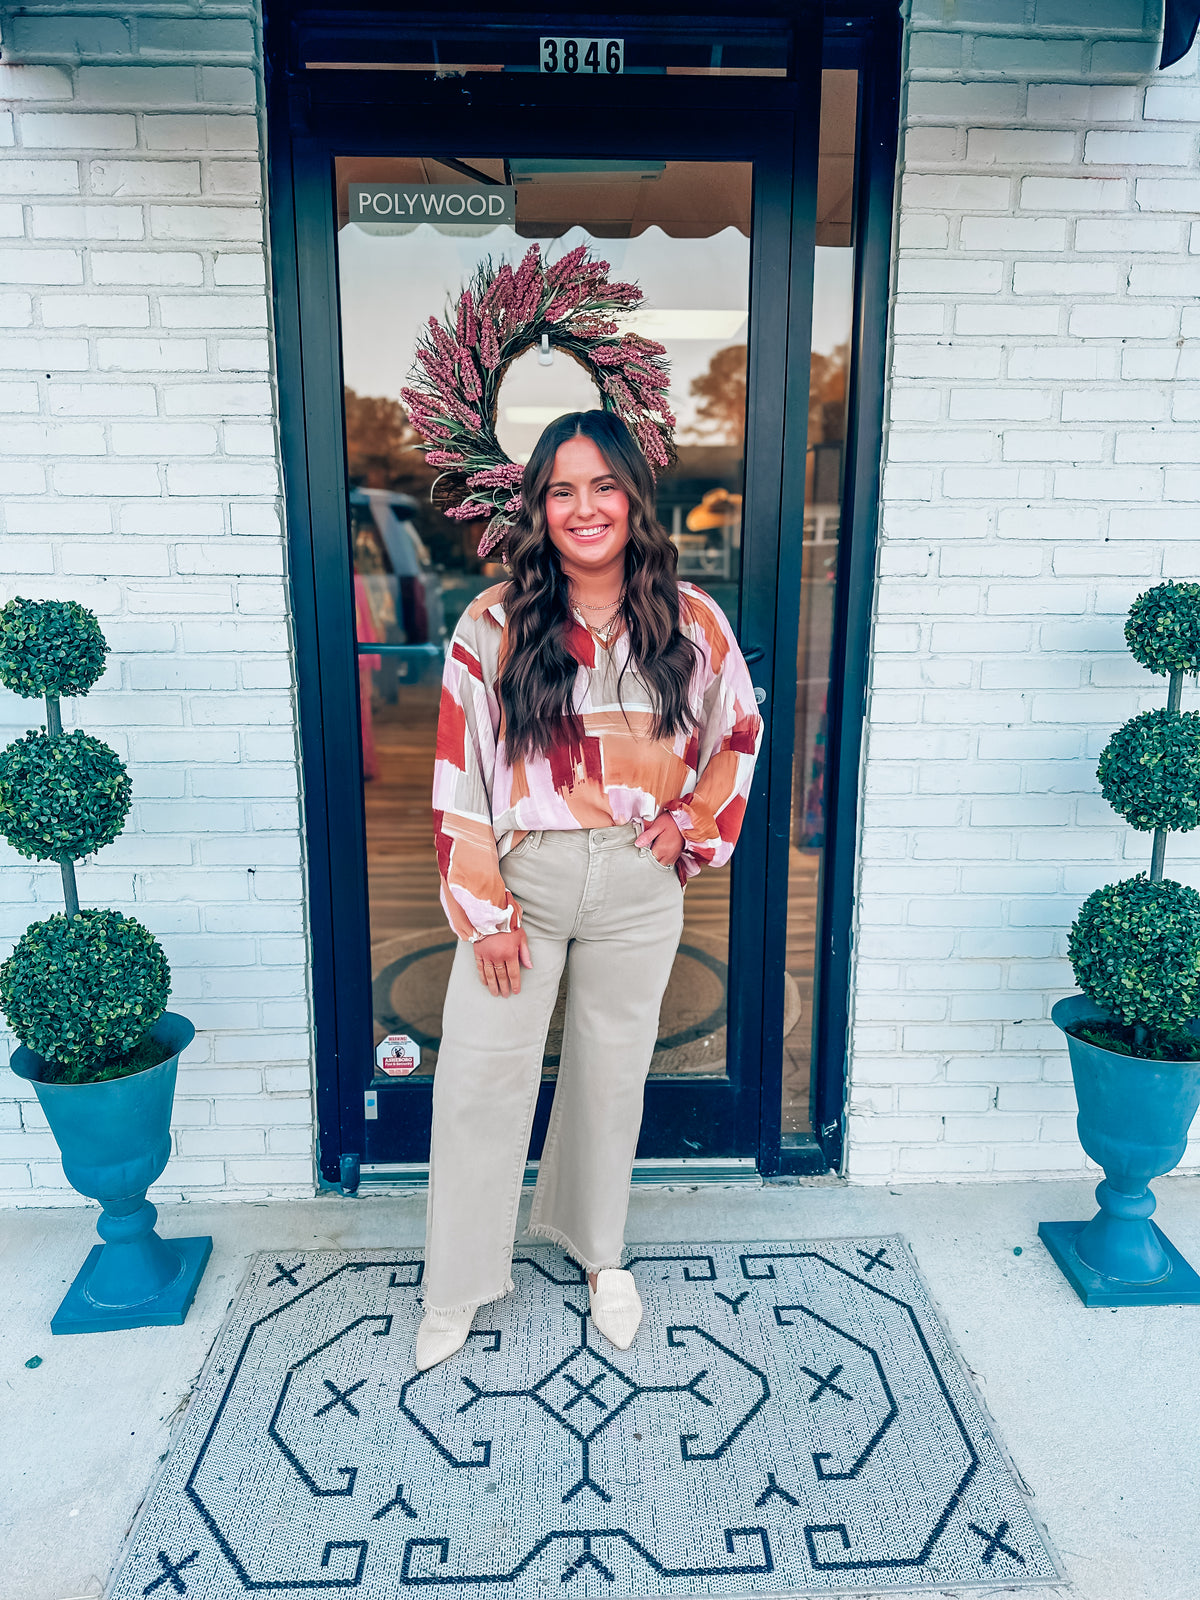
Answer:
x=664 y=838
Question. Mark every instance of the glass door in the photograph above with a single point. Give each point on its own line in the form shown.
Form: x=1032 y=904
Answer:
x=681 y=230
x=711 y=214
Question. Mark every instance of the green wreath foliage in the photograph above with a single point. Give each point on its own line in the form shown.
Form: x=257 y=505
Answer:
x=52 y=647
x=1163 y=630
x=62 y=796
x=1149 y=770
x=81 y=990
x=1135 y=950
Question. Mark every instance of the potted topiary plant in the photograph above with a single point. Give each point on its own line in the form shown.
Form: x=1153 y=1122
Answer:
x=1132 y=1035
x=85 y=991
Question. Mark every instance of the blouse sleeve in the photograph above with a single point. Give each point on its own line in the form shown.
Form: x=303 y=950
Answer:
x=727 y=741
x=473 y=893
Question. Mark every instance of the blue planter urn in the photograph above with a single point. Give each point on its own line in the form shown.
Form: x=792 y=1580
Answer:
x=115 y=1140
x=1134 y=1117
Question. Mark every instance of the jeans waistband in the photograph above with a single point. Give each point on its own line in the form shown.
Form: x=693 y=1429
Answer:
x=614 y=837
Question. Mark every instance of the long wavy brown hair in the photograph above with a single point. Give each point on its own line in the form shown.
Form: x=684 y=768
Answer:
x=538 y=672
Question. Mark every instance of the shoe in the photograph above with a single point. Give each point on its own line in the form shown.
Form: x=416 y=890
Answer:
x=616 y=1306
x=441 y=1335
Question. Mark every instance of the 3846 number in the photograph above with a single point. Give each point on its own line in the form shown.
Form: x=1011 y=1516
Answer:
x=588 y=56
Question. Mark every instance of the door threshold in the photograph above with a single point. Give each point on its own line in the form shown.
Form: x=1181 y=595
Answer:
x=398 y=1176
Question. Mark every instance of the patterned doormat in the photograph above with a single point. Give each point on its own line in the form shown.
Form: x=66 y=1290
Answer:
x=790 y=1418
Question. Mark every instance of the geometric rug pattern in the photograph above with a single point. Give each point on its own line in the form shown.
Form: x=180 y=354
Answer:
x=790 y=1418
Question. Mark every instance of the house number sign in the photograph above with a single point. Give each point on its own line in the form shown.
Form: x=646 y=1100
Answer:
x=590 y=57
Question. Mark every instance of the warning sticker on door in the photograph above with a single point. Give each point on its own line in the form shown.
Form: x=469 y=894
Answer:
x=397 y=1056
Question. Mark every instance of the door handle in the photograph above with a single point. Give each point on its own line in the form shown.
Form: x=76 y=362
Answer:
x=754 y=653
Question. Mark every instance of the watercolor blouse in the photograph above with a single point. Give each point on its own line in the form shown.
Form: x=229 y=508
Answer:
x=616 y=773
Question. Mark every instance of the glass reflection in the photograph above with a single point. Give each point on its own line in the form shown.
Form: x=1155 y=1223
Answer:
x=682 y=231
x=833 y=286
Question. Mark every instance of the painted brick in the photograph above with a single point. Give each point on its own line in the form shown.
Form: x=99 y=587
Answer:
x=16 y=310
x=1174 y=282
x=70 y=355
x=229 y=178
x=1019 y=147
x=134 y=179
x=1127 y=233
x=24 y=265
x=1066 y=278
x=1115 y=321
x=106 y=477
x=135 y=86
x=1168 y=194
x=1074 y=194
x=243 y=355
x=202 y=36
x=17 y=397
x=30 y=82
x=95 y=311
x=219 y=399
x=151 y=355
x=29 y=178
x=215 y=132
x=963 y=102
x=922 y=275
x=85 y=222
x=102 y=399
x=1148 y=149
x=211 y=223
x=77 y=130
x=213 y=311
x=1013 y=233
x=39 y=38
x=954 y=192
x=1019 y=56
x=239 y=269
x=159 y=267
x=925 y=231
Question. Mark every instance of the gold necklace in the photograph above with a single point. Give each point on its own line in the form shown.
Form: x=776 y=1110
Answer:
x=603 y=629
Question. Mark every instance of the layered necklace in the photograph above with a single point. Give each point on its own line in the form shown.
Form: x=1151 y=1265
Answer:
x=604 y=627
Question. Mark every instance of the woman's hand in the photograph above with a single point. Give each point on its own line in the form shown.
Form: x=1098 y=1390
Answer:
x=499 y=958
x=663 y=837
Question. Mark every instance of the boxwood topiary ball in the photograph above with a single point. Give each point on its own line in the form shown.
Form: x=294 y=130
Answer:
x=1150 y=770
x=49 y=647
x=1135 y=950
x=79 y=990
x=61 y=797
x=1163 y=630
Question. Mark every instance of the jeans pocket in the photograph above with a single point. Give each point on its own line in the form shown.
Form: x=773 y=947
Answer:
x=529 y=842
x=662 y=866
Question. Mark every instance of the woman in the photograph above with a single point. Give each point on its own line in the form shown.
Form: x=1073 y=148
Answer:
x=595 y=747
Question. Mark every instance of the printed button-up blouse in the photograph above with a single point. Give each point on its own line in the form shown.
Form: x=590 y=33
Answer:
x=618 y=772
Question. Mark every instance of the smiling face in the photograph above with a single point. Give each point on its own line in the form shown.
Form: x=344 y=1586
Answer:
x=587 y=513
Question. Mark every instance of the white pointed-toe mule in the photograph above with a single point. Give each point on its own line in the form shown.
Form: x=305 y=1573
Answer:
x=616 y=1306
x=441 y=1335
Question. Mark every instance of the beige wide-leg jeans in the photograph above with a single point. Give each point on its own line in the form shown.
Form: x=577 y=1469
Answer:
x=613 y=914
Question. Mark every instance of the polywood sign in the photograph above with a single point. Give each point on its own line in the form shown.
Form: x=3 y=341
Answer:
x=397 y=1056
x=450 y=207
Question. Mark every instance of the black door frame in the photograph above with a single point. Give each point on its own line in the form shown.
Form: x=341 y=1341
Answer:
x=316 y=490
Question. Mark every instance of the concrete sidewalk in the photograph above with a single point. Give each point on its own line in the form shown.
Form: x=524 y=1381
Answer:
x=1100 y=1410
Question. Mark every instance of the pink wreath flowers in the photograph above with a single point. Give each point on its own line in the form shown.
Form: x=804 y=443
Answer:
x=461 y=361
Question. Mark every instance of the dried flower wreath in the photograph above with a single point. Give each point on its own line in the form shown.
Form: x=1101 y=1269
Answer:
x=502 y=313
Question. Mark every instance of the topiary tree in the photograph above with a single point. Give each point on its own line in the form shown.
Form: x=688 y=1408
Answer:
x=83 y=988
x=1135 y=945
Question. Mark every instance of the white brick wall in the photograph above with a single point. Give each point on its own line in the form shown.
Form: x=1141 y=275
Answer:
x=1043 y=459
x=139 y=470
x=1040 y=472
